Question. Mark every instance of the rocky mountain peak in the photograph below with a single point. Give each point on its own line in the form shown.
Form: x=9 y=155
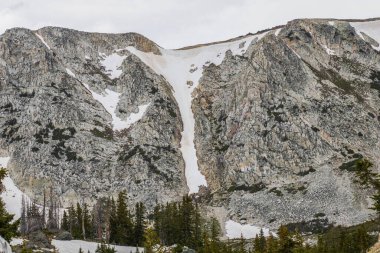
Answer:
x=268 y=124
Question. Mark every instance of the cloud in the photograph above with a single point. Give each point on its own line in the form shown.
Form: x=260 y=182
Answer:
x=176 y=23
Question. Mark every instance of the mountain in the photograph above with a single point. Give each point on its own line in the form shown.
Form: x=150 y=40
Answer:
x=268 y=124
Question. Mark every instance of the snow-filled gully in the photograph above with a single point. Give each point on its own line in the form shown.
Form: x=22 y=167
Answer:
x=181 y=68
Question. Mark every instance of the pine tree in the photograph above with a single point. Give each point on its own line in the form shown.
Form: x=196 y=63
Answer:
x=262 y=241
x=198 y=224
x=23 y=221
x=8 y=229
x=256 y=245
x=72 y=220
x=113 y=221
x=241 y=246
x=103 y=248
x=186 y=223
x=87 y=223
x=150 y=240
x=285 y=241
x=139 y=226
x=215 y=231
x=78 y=231
x=298 y=246
x=272 y=244
x=124 y=231
x=65 y=222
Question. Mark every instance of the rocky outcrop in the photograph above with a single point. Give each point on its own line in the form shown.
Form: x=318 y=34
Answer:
x=57 y=133
x=280 y=118
x=277 y=127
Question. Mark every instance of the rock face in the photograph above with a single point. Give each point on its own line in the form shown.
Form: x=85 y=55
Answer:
x=57 y=133
x=279 y=118
x=277 y=127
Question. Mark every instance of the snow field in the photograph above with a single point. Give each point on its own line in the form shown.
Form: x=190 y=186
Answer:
x=110 y=99
x=371 y=28
x=236 y=230
x=180 y=67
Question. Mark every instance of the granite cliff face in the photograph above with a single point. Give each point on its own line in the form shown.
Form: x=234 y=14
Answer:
x=56 y=132
x=278 y=126
x=272 y=120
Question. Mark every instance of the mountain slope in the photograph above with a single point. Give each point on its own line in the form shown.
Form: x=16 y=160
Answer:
x=271 y=122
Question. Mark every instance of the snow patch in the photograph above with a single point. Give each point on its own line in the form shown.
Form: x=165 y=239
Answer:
x=237 y=230
x=110 y=99
x=371 y=28
x=4 y=246
x=12 y=196
x=70 y=72
x=180 y=67
x=74 y=245
x=43 y=41
x=332 y=23
x=112 y=64
x=277 y=32
x=328 y=50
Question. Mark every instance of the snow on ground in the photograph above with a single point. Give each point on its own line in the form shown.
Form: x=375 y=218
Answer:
x=43 y=41
x=109 y=99
x=236 y=230
x=16 y=241
x=70 y=72
x=179 y=67
x=12 y=196
x=112 y=64
x=277 y=32
x=332 y=23
x=371 y=28
x=328 y=50
x=74 y=245
x=4 y=246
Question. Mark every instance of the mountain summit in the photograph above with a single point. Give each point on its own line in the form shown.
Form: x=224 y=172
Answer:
x=264 y=128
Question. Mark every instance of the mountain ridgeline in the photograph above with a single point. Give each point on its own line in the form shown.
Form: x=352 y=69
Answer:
x=270 y=124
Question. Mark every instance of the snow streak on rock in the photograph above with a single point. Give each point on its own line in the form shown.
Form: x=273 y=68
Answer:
x=70 y=72
x=110 y=99
x=43 y=41
x=112 y=64
x=183 y=69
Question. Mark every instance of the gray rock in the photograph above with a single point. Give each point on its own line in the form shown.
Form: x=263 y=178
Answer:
x=275 y=128
x=64 y=236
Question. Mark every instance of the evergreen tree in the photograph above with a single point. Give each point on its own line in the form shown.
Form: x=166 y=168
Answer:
x=103 y=248
x=285 y=241
x=150 y=240
x=298 y=246
x=72 y=221
x=65 y=222
x=8 y=229
x=23 y=221
x=139 y=226
x=363 y=240
x=186 y=221
x=87 y=223
x=272 y=244
x=113 y=221
x=124 y=229
x=197 y=227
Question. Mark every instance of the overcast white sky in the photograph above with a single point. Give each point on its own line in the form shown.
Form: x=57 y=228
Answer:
x=176 y=23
